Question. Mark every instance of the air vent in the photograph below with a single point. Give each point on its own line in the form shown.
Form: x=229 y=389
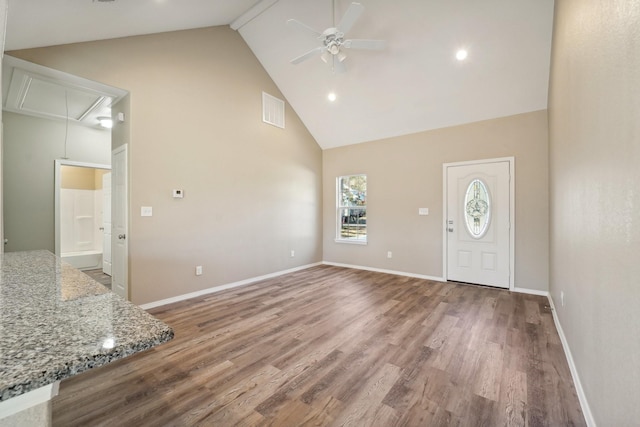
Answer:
x=272 y=110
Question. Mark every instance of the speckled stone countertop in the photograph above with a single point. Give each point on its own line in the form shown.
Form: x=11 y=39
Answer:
x=56 y=322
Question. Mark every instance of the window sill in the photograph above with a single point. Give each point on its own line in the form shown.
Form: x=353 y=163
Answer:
x=351 y=242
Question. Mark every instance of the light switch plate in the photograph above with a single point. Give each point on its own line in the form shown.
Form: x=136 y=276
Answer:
x=146 y=211
x=178 y=194
x=423 y=211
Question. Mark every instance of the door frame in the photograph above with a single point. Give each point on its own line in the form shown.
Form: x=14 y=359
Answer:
x=512 y=213
x=57 y=181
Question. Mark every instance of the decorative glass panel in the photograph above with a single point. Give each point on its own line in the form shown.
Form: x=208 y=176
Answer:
x=477 y=208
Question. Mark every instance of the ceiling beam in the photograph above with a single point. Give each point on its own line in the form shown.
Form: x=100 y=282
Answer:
x=252 y=13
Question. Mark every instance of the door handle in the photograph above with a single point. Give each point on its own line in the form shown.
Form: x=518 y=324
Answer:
x=122 y=236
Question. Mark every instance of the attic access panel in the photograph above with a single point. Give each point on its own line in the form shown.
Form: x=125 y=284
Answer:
x=36 y=95
x=39 y=91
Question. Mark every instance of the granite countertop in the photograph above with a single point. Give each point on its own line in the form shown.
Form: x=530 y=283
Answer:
x=56 y=322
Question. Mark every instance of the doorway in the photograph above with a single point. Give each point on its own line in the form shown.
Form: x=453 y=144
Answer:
x=479 y=214
x=55 y=117
x=82 y=214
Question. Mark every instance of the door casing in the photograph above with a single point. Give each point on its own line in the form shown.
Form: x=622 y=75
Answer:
x=512 y=213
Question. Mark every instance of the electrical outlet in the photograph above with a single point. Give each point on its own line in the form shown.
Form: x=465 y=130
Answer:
x=293 y=253
x=562 y=298
x=389 y=254
x=198 y=270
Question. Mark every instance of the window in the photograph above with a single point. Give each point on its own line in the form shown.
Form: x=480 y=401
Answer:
x=352 y=209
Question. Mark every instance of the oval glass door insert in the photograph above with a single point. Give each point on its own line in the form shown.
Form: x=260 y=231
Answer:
x=477 y=208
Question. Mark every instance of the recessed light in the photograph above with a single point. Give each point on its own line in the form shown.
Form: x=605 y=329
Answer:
x=332 y=97
x=461 y=55
x=105 y=122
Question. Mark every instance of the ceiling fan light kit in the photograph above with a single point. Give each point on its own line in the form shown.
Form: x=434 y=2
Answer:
x=333 y=40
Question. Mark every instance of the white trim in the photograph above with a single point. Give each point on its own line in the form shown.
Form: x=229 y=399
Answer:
x=190 y=295
x=351 y=242
x=512 y=213
x=530 y=291
x=28 y=400
x=57 y=182
x=582 y=397
x=381 y=270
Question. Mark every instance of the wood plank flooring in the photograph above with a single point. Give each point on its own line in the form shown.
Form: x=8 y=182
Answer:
x=99 y=276
x=339 y=347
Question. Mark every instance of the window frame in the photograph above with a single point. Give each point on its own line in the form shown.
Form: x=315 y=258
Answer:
x=340 y=207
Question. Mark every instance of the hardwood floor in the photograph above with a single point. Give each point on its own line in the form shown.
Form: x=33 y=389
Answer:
x=99 y=276
x=334 y=346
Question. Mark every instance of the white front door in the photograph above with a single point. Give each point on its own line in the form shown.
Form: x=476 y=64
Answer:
x=478 y=221
x=106 y=223
x=119 y=217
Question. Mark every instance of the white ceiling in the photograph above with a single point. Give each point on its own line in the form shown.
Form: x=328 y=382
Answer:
x=415 y=84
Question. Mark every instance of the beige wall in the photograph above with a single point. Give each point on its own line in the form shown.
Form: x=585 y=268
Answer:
x=594 y=120
x=31 y=145
x=252 y=191
x=405 y=173
x=78 y=178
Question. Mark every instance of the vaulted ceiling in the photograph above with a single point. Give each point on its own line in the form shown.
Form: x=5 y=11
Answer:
x=414 y=84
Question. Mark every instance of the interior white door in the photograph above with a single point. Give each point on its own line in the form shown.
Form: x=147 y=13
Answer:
x=106 y=223
x=119 y=222
x=478 y=223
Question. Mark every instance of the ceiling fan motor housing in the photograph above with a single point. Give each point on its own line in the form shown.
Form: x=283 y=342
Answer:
x=333 y=39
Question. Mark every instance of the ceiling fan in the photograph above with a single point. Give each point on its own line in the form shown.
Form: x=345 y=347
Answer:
x=333 y=39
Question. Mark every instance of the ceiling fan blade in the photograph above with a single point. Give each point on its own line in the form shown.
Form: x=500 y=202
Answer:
x=350 y=17
x=293 y=23
x=313 y=52
x=338 y=66
x=364 y=44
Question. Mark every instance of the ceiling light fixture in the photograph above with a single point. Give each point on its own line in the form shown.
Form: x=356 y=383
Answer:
x=105 y=122
x=461 y=55
x=332 y=97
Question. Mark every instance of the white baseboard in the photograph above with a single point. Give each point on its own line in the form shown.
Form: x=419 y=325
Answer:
x=380 y=270
x=190 y=295
x=531 y=291
x=586 y=410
